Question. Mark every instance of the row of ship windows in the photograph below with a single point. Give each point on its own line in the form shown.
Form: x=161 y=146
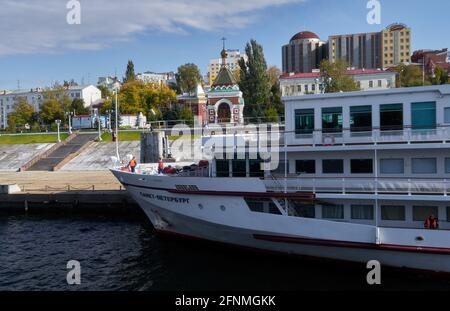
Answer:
x=365 y=166
x=423 y=116
x=336 y=211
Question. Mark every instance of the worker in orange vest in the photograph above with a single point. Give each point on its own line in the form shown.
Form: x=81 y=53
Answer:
x=132 y=164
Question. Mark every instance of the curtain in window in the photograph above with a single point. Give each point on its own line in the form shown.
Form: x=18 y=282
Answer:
x=392 y=166
x=361 y=119
x=332 y=120
x=391 y=212
x=447 y=165
x=391 y=117
x=447 y=115
x=333 y=211
x=423 y=116
x=424 y=166
x=420 y=213
x=362 y=212
x=304 y=121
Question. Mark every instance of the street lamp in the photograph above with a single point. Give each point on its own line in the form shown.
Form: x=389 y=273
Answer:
x=117 y=128
x=69 y=114
x=58 y=123
x=97 y=115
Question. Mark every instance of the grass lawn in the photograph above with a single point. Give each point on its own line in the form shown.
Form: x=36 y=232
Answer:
x=123 y=136
x=31 y=139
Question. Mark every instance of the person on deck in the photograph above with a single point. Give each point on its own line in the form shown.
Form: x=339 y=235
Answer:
x=160 y=166
x=431 y=222
x=132 y=164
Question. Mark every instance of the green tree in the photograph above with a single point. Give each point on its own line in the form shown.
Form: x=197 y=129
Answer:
x=274 y=74
x=23 y=114
x=254 y=81
x=105 y=91
x=440 y=76
x=188 y=77
x=187 y=116
x=51 y=110
x=129 y=74
x=409 y=76
x=78 y=106
x=335 y=77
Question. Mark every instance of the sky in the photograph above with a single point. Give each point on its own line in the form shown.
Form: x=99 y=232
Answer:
x=39 y=47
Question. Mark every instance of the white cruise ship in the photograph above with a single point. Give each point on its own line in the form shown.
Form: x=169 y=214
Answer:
x=359 y=175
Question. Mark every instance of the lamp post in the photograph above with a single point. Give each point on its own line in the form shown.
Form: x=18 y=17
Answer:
x=69 y=115
x=58 y=123
x=97 y=116
x=117 y=127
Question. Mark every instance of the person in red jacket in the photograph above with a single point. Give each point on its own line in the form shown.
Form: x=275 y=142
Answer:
x=160 y=166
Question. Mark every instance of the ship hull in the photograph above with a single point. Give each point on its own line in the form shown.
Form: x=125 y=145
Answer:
x=227 y=219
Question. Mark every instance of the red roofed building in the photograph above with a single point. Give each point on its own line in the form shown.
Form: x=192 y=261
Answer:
x=297 y=84
x=432 y=59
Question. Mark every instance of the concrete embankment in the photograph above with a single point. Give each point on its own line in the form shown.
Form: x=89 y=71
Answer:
x=59 y=191
x=12 y=157
x=98 y=156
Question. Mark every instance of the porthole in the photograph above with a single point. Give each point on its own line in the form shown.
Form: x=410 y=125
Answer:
x=200 y=206
x=223 y=208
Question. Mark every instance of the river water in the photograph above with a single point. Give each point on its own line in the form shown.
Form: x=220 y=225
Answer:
x=122 y=252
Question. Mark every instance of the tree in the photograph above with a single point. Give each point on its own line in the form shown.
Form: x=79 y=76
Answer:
x=335 y=77
x=188 y=77
x=409 y=75
x=106 y=93
x=440 y=76
x=23 y=114
x=187 y=116
x=254 y=81
x=51 y=110
x=274 y=74
x=78 y=106
x=129 y=74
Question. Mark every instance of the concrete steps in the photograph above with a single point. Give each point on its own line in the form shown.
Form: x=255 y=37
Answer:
x=53 y=160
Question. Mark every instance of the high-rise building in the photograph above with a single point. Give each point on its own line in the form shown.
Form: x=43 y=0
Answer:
x=233 y=58
x=304 y=52
x=395 y=45
x=358 y=50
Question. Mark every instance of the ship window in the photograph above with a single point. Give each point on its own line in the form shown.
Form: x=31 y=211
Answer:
x=222 y=168
x=420 y=213
x=448 y=213
x=332 y=211
x=361 y=119
x=362 y=212
x=391 y=117
x=333 y=166
x=332 y=120
x=423 y=116
x=262 y=206
x=447 y=115
x=447 y=165
x=300 y=209
x=239 y=168
x=392 y=166
x=361 y=166
x=255 y=168
x=424 y=166
x=392 y=212
x=305 y=166
x=304 y=121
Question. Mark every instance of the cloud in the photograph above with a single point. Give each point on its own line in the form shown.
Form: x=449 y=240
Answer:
x=40 y=26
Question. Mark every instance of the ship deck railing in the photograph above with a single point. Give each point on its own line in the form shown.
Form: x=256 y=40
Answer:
x=351 y=185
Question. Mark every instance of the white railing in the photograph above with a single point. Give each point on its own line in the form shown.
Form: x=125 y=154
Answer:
x=360 y=185
x=375 y=136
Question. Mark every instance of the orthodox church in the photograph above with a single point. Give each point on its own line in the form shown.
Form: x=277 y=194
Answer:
x=223 y=104
x=225 y=101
